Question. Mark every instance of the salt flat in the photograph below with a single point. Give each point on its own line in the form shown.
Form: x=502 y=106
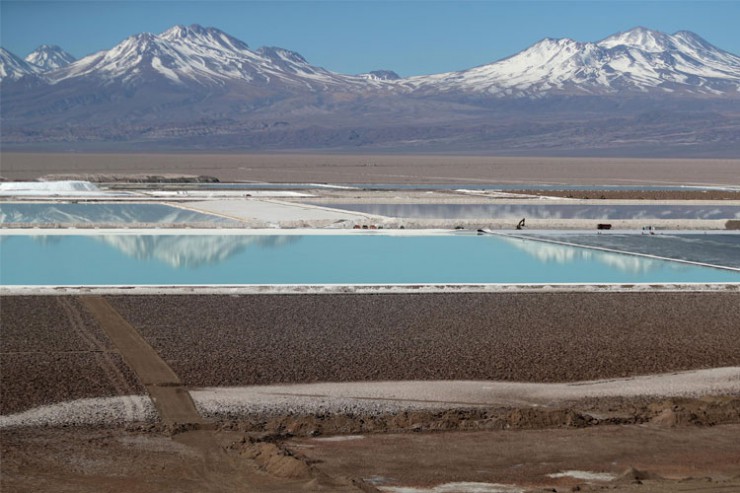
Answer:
x=275 y=212
x=387 y=397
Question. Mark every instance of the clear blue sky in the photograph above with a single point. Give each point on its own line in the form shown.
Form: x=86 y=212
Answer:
x=410 y=37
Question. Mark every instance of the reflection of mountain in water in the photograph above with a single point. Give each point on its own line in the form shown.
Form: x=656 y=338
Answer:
x=548 y=211
x=101 y=213
x=715 y=249
x=563 y=254
x=47 y=239
x=191 y=251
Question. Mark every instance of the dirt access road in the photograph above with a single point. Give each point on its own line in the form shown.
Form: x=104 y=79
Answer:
x=164 y=387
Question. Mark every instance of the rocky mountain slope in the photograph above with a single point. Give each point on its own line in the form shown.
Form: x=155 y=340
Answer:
x=193 y=87
x=639 y=60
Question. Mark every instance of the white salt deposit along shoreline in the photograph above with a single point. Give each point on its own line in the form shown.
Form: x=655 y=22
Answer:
x=66 y=188
x=384 y=397
x=94 y=411
x=308 y=289
x=49 y=186
x=377 y=397
x=456 y=487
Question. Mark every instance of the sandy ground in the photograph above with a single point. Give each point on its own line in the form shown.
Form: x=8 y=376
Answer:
x=524 y=437
x=53 y=350
x=341 y=168
x=524 y=460
x=650 y=458
x=382 y=397
x=531 y=337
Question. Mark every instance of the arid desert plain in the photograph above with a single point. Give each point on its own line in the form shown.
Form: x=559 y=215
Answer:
x=602 y=359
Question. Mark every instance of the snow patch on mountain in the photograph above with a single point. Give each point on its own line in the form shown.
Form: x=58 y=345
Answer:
x=205 y=56
x=49 y=57
x=639 y=60
x=13 y=67
x=381 y=75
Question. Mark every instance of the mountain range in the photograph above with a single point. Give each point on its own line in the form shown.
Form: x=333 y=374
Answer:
x=638 y=92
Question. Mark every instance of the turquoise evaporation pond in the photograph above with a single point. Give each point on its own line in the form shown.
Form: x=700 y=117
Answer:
x=129 y=259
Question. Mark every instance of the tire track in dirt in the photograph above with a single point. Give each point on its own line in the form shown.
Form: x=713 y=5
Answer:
x=103 y=356
x=164 y=386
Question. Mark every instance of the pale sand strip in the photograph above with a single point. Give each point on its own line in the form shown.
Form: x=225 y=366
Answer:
x=381 y=397
x=95 y=411
x=378 y=397
x=273 y=211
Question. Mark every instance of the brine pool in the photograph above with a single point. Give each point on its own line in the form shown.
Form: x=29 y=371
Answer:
x=194 y=258
x=101 y=213
x=546 y=211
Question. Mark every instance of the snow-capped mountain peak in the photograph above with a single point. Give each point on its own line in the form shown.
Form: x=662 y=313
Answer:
x=179 y=31
x=638 y=60
x=13 y=67
x=199 y=55
x=641 y=38
x=381 y=75
x=191 y=57
x=281 y=55
x=49 y=57
x=198 y=35
x=692 y=39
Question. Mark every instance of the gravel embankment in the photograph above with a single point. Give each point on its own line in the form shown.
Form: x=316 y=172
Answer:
x=52 y=350
x=531 y=337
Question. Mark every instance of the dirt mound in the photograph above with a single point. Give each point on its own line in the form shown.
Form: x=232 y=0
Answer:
x=685 y=412
x=535 y=418
x=276 y=461
x=632 y=474
x=707 y=411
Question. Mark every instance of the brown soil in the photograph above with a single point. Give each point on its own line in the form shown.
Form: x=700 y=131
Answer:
x=172 y=400
x=525 y=458
x=645 y=458
x=346 y=168
x=52 y=351
x=48 y=324
x=659 y=446
x=534 y=337
x=676 y=412
x=94 y=460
